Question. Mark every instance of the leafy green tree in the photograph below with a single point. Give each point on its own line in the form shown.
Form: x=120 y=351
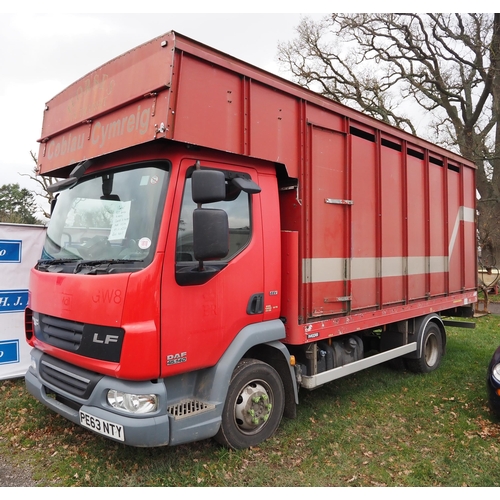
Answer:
x=17 y=205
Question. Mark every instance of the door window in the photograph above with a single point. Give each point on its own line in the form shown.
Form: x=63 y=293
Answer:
x=237 y=207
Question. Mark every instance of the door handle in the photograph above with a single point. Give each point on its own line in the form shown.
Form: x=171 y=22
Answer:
x=256 y=304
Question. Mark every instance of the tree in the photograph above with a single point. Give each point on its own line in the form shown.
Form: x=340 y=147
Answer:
x=445 y=65
x=43 y=183
x=17 y=205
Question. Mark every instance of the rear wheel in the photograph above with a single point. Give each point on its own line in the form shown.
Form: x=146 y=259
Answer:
x=254 y=405
x=431 y=352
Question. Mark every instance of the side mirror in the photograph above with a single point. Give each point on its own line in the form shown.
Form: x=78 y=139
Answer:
x=210 y=234
x=73 y=178
x=208 y=186
x=246 y=185
x=62 y=184
x=53 y=202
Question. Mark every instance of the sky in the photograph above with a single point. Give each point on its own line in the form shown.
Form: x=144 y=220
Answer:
x=43 y=53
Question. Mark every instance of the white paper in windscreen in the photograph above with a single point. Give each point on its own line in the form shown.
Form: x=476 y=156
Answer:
x=121 y=219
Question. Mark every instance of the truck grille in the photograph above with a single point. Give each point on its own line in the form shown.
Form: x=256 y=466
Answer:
x=67 y=378
x=61 y=333
x=93 y=341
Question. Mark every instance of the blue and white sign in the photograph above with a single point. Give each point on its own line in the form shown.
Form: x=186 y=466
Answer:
x=20 y=248
x=10 y=251
x=13 y=300
x=9 y=351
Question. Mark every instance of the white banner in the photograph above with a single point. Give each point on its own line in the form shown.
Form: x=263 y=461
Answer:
x=20 y=248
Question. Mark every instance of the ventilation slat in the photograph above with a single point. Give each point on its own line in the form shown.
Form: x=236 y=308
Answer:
x=188 y=408
x=61 y=333
x=67 y=378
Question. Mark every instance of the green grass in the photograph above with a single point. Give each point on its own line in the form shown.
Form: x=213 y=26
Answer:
x=492 y=296
x=376 y=428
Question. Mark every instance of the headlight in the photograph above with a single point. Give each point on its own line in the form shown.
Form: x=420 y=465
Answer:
x=133 y=403
x=496 y=372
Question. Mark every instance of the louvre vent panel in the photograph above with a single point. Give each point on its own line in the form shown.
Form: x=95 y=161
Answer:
x=61 y=333
x=69 y=379
x=189 y=408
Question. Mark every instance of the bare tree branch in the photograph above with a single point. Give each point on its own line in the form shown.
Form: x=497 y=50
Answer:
x=43 y=183
x=438 y=74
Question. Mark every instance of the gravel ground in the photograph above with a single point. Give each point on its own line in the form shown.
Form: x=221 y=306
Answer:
x=494 y=307
x=12 y=475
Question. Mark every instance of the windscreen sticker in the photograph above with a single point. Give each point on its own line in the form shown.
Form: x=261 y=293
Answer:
x=146 y=179
x=121 y=219
x=144 y=243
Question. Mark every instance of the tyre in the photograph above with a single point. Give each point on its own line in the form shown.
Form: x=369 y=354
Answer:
x=254 y=405
x=431 y=351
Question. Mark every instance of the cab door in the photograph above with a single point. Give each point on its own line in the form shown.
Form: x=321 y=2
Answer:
x=202 y=312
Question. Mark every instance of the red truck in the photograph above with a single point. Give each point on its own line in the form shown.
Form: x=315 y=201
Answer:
x=222 y=238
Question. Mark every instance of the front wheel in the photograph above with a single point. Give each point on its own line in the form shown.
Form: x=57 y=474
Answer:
x=431 y=352
x=254 y=405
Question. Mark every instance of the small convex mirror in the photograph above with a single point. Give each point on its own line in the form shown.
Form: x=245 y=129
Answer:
x=208 y=186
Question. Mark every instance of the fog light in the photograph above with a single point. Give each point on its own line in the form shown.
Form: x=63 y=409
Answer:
x=133 y=403
x=33 y=363
x=496 y=372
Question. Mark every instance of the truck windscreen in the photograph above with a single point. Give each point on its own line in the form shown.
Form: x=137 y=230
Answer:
x=108 y=217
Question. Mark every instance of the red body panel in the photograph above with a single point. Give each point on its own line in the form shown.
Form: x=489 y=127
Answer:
x=130 y=301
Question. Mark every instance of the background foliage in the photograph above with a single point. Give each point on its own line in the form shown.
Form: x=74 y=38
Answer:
x=17 y=205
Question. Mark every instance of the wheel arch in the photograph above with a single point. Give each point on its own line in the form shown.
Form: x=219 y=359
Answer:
x=259 y=341
x=419 y=326
x=276 y=355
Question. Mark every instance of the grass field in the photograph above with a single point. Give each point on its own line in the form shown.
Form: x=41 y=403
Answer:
x=376 y=428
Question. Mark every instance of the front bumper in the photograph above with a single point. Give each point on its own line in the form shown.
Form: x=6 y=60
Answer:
x=81 y=397
x=493 y=385
x=140 y=430
x=494 y=396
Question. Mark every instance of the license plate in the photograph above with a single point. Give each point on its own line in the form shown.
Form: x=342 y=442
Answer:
x=101 y=426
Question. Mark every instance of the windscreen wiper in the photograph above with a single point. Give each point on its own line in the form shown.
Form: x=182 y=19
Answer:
x=102 y=265
x=46 y=263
